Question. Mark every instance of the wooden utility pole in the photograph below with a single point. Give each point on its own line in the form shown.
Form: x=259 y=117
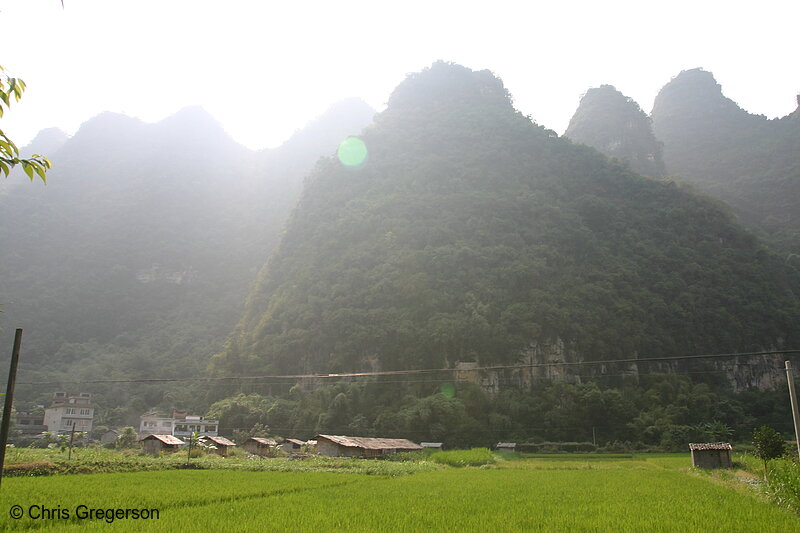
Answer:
x=793 y=399
x=12 y=379
x=71 y=439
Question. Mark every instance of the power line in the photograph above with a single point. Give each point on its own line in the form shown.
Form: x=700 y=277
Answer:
x=415 y=372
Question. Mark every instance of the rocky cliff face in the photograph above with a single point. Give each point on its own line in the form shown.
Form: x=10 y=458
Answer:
x=541 y=364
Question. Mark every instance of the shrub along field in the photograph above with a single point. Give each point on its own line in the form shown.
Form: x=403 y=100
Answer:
x=579 y=492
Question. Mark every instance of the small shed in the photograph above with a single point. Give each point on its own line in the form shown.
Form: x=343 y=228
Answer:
x=711 y=454
x=109 y=436
x=259 y=446
x=292 y=445
x=341 y=446
x=505 y=446
x=431 y=445
x=223 y=446
x=154 y=444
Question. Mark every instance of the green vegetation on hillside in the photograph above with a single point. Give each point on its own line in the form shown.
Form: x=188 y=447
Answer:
x=472 y=234
x=747 y=160
x=616 y=126
x=659 y=412
x=136 y=258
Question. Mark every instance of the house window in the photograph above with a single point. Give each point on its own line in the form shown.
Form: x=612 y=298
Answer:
x=84 y=411
x=71 y=410
x=211 y=428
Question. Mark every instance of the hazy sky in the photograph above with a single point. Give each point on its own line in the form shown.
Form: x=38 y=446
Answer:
x=264 y=69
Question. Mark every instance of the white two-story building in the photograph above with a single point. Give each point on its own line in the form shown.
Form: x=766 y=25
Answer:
x=180 y=424
x=69 y=411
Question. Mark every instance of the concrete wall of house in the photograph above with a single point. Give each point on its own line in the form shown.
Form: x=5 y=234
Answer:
x=327 y=448
x=710 y=459
x=331 y=449
x=221 y=450
x=152 y=446
x=63 y=418
x=256 y=448
x=290 y=447
x=109 y=436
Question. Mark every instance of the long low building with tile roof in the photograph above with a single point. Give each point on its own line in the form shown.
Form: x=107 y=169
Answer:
x=342 y=446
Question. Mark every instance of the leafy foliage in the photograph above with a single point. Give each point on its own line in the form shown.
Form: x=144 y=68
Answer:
x=768 y=444
x=134 y=261
x=11 y=90
x=459 y=458
x=664 y=412
x=473 y=234
x=783 y=485
x=747 y=160
x=616 y=126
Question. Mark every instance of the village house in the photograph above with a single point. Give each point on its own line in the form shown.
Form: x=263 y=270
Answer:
x=431 y=445
x=29 y=423
x=260 y=446
x=292 y=445
x=711 y=455
x=505 y=446
x=68 y=412
x=341 y=446
x=222 y=446
x=180 y=424
x=155 y=444
x=112 y=435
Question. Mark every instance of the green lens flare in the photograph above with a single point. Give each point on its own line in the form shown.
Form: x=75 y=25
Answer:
x=447 y=390
x=352 y=152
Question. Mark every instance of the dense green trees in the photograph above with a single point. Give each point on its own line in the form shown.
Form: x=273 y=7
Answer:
x=616 y=126
x=134 y=261
x=664 y=411
x=768 y=444
x=473 y=234
x=747 y=160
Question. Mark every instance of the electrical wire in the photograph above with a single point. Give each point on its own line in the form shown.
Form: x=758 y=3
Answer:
x=415 y=372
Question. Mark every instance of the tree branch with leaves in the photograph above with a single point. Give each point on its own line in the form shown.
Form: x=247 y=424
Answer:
x=11 y=90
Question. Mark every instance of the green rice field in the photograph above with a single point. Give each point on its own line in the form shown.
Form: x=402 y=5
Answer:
x=520 y=493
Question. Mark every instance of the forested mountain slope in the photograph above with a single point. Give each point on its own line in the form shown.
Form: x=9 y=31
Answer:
x=616 y=126
x=472 y=233
x=134 y=260
x=747 y=160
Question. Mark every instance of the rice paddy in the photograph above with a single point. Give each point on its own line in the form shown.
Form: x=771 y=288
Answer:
x=556 y=493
